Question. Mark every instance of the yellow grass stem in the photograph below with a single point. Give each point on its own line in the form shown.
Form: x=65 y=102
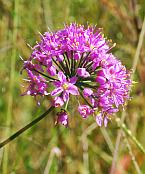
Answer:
x=11 y=85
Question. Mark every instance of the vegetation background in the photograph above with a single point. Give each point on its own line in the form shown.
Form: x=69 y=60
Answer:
x=82 y=148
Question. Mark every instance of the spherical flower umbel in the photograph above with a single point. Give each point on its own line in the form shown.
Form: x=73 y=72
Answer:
x=76 y=61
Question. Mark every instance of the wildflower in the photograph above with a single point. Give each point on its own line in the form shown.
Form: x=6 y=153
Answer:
x=99 y=119
x=37 y=85
x=62 y=118
x=76 y=61
x=64 y=87
x=84 y=110
x=82 y=72
x=87 y=92
x=58 y=101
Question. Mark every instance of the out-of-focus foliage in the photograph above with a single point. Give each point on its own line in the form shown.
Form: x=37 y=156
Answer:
x=47 y=148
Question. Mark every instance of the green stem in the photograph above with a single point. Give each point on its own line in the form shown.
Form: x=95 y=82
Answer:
x=131 y=154
x=86 y=85
x=66 y=104
x=66 y=59
x=20 y=131
x=85 y=100
x=11 y=83
x=84 y=59
x=129 y=133
x=51 y=78
x=82 y=56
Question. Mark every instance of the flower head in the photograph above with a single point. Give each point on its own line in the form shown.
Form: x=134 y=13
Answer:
x=75 y=61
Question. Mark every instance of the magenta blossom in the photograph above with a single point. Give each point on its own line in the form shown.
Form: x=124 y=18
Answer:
x=37 y=85
x=58 y=102
x=84 y=110
x=64 y=87
x=100 y=119
x=82 y=72
x=77 y=62
x=62 y=118
x=87 y=92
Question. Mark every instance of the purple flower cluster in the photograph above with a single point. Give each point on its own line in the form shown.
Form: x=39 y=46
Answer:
x=75 y=61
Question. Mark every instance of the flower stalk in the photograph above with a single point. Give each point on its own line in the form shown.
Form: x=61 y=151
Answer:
x=25 y=128
x=133 y=138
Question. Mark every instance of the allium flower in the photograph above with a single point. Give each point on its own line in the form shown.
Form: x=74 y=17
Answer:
x=76 y=61
x=62 y=118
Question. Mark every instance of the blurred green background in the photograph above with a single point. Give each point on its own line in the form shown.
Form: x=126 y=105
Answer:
x=82 y=148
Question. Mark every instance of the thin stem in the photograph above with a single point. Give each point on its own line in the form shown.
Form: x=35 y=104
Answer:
x=44 y=74
x=20 y=131
x=88 y=79
x=135 y=17
x=89 y=65
x=74 y=67
x=66 y=59
x=86 y=85
x=58 y=65
x=67 y=64
x=129 y=133
x=89 y=130
x=94 y=71
x=85 y=154
x=107 y=139
x=139 y=46
x=132 y=155
x=65 y=69
x=85 y=100
x=84 y=59
x=71 y=62
x=66 y=105
x=49 y=162
x=82 y=56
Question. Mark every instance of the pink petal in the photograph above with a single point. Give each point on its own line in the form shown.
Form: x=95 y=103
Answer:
x=112 y=110
x=84 y=110
x=62 y=118
x=100 y=80
x=99 y=119
x=82 y=72
x=56 y=91
x=87 y=92
x=52 y=70
x=60 y=58
x=73 y=80
x=77 y=56
x=57 y=83
x=58 y=102
x=72 y=89
x=61 y=76
x=65 y=96
x=116 y=101
x=105 y=121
